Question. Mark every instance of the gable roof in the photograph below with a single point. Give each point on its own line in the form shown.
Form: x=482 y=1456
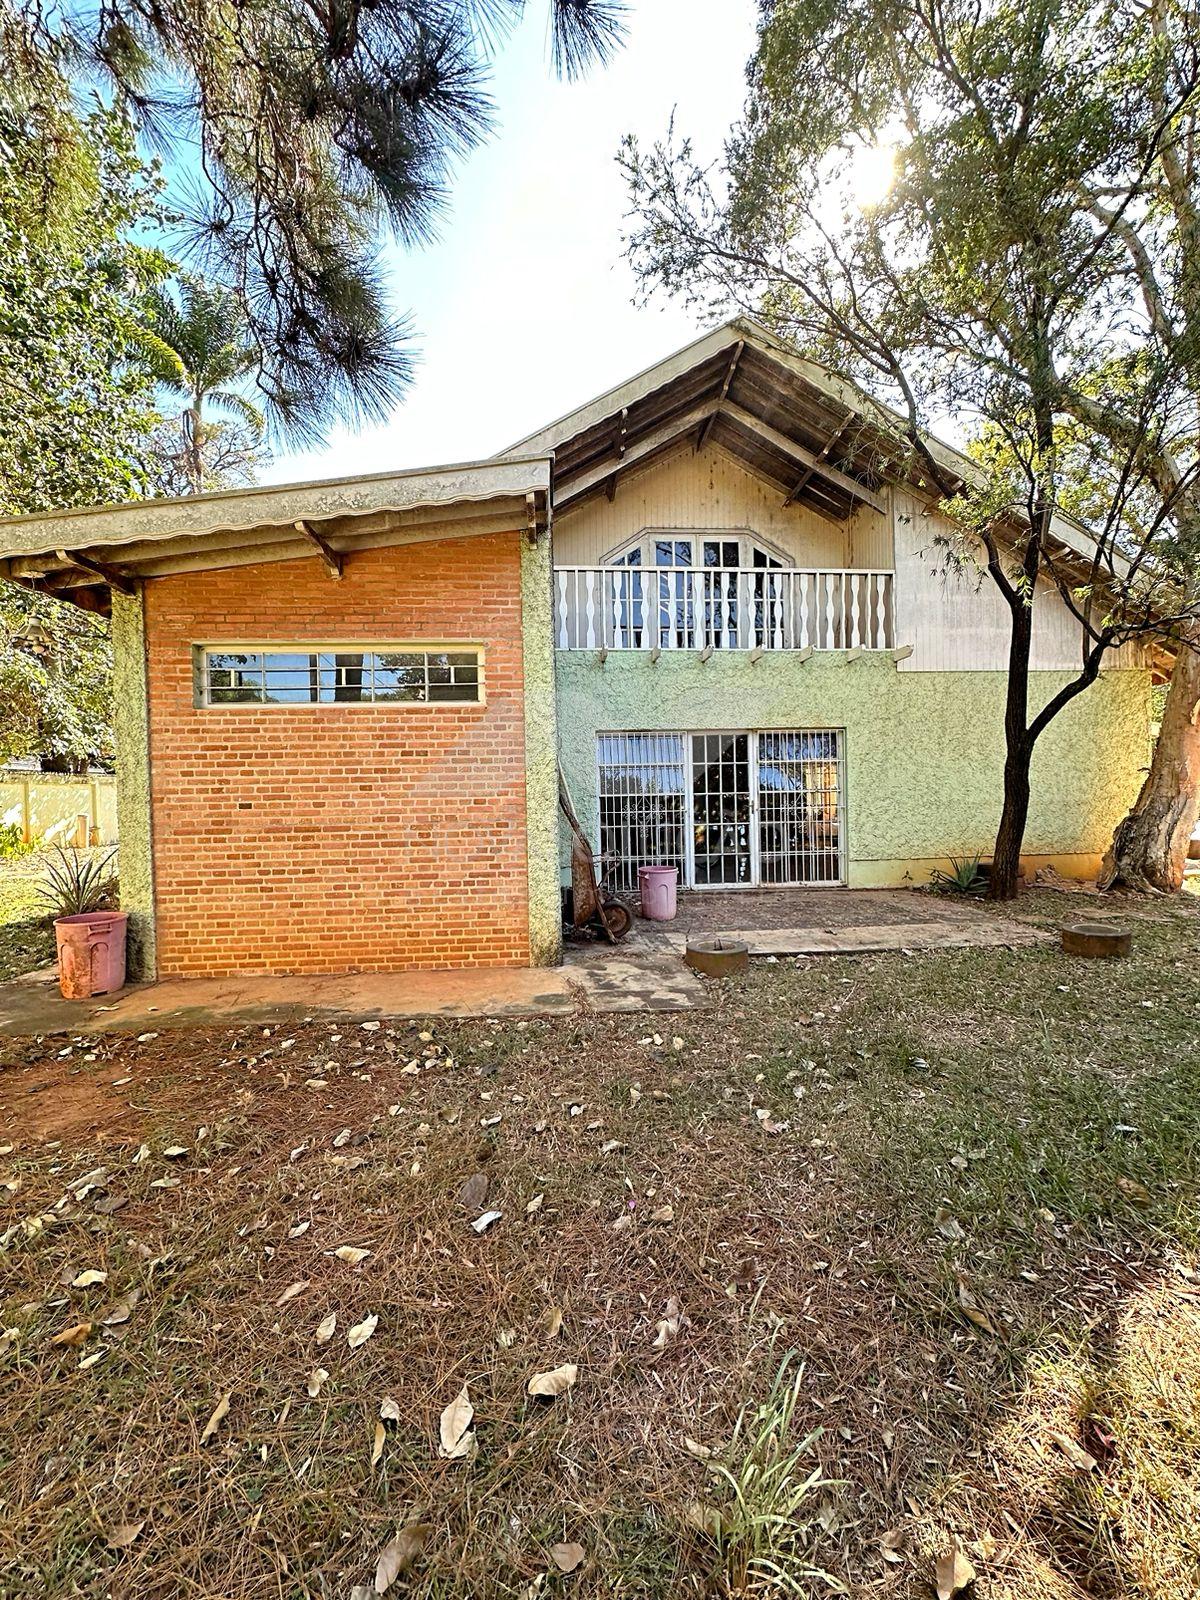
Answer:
x=820 y=439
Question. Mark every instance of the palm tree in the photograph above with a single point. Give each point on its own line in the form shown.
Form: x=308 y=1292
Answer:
x=199 y=349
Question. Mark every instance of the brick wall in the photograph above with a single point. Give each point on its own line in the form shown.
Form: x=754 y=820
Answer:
x=332 y=838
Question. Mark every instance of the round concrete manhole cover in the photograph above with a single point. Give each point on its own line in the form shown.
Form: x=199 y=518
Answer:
x=1097 y=939
x=717 y=958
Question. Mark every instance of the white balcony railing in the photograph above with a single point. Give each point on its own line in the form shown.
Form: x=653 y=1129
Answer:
x=698 y=608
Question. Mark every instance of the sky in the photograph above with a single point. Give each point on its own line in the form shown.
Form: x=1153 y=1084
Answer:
x=524 y=308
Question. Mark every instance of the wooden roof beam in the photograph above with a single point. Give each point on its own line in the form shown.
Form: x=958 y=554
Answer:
x=825 y=452
x=332 y=558
x=569 y=487
x=113 y=576
x=801 y=454
x=706 y=429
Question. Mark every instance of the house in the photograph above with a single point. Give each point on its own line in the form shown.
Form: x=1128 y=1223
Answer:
x=715 y=595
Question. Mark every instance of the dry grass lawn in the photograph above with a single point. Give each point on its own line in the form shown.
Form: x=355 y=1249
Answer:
x=875 y=1262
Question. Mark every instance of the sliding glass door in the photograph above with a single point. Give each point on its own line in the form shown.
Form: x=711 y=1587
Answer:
x=729 y=809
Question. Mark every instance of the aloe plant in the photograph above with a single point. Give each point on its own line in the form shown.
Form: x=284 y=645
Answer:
x=78 y=882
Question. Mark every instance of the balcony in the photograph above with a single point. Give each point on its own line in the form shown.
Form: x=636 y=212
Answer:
x=708 y=608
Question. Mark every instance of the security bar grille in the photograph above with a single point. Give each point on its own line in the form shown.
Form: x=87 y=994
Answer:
x=722 y=809
x=728 y=809
x=328 y=676
x=643 y=803
x=800 y=807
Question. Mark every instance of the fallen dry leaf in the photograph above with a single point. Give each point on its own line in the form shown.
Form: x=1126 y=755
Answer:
x=455 y=1434
x=220 y=1412
x=1079 y=1458
x=670 y=1327
x=122 y=1535
x=377 y=1445
x=952 y=1573
x=703 y=1518
x=316 y=1379
x=473 y=1191
x=362 y=1331
x=891 y=1545
x=948 y=1225
x=566 y=1557
x=969 y=1309
x=351 y=1254
x=663 y=1214
x=326 y=1328
x=389 y=1409
x=85 y=1280
x=534 y=1205
x=1135 y=1191
x=121 y=1310
x=553 y=1383
x=73 y=1336
x=398 y=1555
x=695 y=1448
x=552 y=1321
x=292 y=1290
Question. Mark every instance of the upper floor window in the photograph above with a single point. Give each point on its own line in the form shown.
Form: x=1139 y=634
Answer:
x=715 y=551
x=334 y=675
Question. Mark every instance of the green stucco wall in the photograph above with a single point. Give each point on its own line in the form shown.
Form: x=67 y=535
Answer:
x=923 y=750
x=131 y=729
x=541 y=762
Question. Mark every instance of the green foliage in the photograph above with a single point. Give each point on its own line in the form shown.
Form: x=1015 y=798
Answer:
x=964 y=876
x=78 y=882
x=300 y=134
x=199 y=348
x=77 y=400
x=13 y=844
x=1026 y=275
x=55 y=662
x=768 y=1526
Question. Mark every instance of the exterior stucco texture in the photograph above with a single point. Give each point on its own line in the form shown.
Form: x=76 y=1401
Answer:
x=924 y=751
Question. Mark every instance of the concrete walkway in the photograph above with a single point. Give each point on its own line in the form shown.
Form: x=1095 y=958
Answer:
x=596 y=978
x=646 y=973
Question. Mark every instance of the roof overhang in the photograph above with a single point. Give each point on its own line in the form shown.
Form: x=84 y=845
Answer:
x=819 y=439
x=82 y=553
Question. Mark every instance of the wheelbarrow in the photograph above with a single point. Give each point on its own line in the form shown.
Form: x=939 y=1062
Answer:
x=594 y=903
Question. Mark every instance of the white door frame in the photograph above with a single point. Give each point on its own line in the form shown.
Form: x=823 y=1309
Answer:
x=687 y=735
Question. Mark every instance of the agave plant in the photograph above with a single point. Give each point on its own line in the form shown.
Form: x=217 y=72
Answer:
x=77 y=882
x=965 y=876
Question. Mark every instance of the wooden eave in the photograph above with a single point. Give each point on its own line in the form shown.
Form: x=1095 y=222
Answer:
x=80 y=555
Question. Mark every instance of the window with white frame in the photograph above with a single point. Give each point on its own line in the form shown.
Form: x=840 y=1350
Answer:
x=337 y=675
x=689 y=584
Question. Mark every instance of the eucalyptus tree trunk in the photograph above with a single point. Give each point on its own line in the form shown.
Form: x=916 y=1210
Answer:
x=1149 y=849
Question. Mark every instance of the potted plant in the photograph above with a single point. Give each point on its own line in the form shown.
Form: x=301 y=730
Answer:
x=81 y=890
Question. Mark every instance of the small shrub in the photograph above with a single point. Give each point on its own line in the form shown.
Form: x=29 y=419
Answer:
x=966 y=876
x=777 y=1495
x=13 y=843
x=78 y=882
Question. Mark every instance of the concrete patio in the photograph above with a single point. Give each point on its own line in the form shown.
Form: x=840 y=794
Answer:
x=646 y=973
x=834 y=921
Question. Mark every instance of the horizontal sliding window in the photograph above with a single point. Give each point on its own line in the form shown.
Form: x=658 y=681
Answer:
x=329 y=676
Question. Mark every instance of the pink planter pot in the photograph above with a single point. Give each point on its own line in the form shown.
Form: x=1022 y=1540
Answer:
x=91 y=953
x=657 y=888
